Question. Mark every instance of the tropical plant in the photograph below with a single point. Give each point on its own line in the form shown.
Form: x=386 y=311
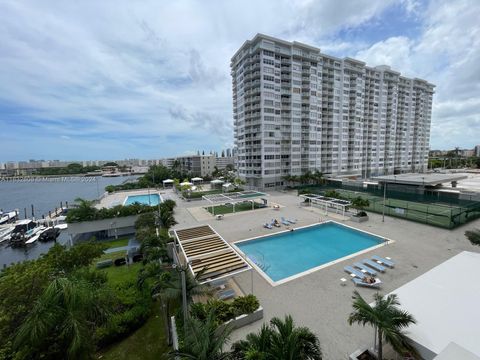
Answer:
x=62 y=320
x=204 y=340
x=473 y=236
x=388 y=320
x=359 y=203
x=281 y=340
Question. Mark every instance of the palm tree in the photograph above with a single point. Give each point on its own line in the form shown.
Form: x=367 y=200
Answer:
x=84 y=210
x=68 y=310
x=388 y=320
x=255 y=346
x=204 y=340
x=281 y=340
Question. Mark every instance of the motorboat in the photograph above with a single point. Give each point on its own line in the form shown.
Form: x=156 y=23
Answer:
x=24 y=230
x=49 y=234
x=8 y=216
x=5 y=233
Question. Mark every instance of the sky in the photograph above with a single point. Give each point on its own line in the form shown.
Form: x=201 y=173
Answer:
x=149 y=79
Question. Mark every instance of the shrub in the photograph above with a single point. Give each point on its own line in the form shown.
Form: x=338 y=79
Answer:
x=225 y=311
x=132 y=308
x=333 y=194
x=245 y=305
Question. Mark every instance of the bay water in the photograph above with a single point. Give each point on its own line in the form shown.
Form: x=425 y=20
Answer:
x=45 y=196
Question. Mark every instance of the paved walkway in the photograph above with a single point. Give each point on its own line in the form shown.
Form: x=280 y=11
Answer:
x=318 y=300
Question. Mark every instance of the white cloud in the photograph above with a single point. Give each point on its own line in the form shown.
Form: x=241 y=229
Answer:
x=158 y=72
x=447 y=53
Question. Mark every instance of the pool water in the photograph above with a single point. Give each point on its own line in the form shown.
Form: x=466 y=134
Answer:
x=293 y=252
x=145 y=199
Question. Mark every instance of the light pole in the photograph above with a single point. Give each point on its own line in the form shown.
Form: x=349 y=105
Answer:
x=182 y=269
x=384 y=196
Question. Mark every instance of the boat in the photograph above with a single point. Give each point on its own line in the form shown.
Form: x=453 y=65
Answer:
x=34 y=235
x=49 y=234
x=5 y=233
x=8 y=216
x=23 y=231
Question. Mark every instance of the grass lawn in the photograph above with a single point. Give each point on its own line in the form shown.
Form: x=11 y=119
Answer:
x=228 y=209
x=116 y=243
x=119 y=274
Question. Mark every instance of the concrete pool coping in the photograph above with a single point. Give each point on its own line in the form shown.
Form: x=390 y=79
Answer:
x=160 y=199
x=386 y=241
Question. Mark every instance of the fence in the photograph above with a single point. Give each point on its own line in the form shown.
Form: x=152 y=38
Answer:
x=438 y=209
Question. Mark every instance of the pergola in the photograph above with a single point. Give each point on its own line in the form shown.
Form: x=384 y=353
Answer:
x=326 y=202
x=206 y=252
x=233 y=198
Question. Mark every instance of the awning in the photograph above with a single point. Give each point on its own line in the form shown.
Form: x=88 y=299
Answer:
x=168 y=181
x=205 y=250
x=196 y=179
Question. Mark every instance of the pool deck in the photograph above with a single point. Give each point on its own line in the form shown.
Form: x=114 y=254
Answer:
x=318 y=300
x=118 y=198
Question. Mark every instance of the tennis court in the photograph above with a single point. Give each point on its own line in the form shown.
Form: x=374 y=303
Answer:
x=437 y=214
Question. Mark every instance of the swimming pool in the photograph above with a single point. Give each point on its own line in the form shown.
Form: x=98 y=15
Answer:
x=145 y=199
x=291 y=254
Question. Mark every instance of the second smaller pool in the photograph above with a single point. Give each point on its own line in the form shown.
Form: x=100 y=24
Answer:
x=144 y=199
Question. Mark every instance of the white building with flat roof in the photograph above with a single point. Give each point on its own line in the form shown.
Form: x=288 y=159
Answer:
x=445 y=302
x=296 y=110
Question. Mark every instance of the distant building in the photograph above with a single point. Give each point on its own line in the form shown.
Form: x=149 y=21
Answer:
x=200 y=165
x=222 y=162
x=477 y=150
x=297 y=110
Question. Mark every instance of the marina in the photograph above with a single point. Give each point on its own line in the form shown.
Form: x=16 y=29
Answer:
x=49 y=200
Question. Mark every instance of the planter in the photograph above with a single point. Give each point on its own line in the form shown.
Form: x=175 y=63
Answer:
x=358 y=218
x=245 y=319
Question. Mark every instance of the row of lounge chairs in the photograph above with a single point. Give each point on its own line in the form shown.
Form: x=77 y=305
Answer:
x=276 y=223
x=364 y=273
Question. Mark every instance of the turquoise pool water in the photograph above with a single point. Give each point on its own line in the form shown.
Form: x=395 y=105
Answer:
x=145 y=199
x=290 y=253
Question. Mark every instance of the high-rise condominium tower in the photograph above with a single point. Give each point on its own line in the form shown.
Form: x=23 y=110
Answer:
x=298 y=110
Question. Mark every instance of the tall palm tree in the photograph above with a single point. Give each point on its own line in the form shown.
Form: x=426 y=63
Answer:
x=67 y=311
x=204 y=340
x=282 y=340
x=387 y=318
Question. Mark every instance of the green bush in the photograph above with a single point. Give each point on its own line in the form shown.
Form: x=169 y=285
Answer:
x=132 y=309
x=225 y=311
x=245 y=305
x=91 y=213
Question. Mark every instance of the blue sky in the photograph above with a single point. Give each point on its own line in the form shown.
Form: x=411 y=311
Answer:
x=123 y=79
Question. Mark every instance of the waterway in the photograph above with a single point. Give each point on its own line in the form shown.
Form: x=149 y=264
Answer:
x=45 y=196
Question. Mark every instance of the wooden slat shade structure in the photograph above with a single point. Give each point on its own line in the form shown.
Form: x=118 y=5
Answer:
x=205 y=250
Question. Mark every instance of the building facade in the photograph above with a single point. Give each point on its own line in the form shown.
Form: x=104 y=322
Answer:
x=296 y=110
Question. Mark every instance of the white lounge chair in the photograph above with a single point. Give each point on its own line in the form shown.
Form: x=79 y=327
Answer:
x=374 y=265
x=353 y=271
x=383 y=261
x=365 y=269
